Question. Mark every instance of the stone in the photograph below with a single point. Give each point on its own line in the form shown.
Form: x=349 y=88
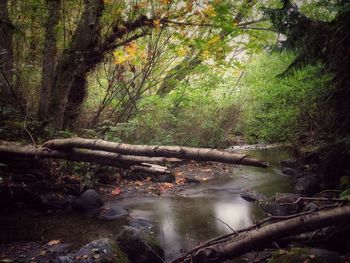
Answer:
x=140 y=246
x=281 y=198
x=253 y=196
x=164 y=178
x=305 y=255
x=110 y=211
x=89 y=200
x=308 y=185
x=289 y=163
x=189 y=180
x=275 y=209
x=56 y=201
x=289 y=171
x=140 y=223
x=103 y=250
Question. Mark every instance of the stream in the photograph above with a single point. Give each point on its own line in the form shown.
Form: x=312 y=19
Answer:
x=180 y=220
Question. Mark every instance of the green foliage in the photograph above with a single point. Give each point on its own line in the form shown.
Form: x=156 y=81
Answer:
x=199 y=112
x=281 y=109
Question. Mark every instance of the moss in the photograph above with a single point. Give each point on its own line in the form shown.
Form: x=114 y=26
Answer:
x=295 y=255
x=120 y=256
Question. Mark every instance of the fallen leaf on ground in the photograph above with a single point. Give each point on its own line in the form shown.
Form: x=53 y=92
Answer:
x=116 y=191
x=165 y=186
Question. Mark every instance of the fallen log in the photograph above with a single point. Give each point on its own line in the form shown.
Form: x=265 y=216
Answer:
x=11 y=150
x=186 y=153
x=260 y=238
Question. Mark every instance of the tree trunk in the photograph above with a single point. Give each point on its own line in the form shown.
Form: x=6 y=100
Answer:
x=186 y=153
x=49 y=57
x=263 y=237
x=11 y=150
x=70 y=76
x=6 y=55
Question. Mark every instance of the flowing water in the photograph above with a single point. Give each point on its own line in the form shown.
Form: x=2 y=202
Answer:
x=180 y=220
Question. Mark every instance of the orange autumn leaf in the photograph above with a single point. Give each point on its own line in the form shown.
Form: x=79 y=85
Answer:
x=116 y=191
x=180 y=181
x=165 y=186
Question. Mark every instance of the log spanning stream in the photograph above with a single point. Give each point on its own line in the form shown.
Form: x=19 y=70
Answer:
x=180 y=220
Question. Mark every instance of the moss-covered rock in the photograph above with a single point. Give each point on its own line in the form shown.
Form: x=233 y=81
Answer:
x=140 y=246
x=103 y=251
x=309 y=255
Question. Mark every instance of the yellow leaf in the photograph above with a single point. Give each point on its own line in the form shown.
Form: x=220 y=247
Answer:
x=164 y=2
x=131 y=48
x=214 y=40
x=156 y=23
x=209 y=11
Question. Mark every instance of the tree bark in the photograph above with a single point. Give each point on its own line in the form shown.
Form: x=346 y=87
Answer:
x=6 y=54
x=11 y=150
x=188 y=153
x=263 y=237
x=49 y=57
x=75 y=63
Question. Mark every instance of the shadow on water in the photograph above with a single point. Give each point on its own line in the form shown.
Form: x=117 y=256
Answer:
x=180 y=220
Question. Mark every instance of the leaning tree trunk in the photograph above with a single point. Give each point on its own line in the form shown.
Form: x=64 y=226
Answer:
x=76 y=61
x=6 y=54
x=49 y=57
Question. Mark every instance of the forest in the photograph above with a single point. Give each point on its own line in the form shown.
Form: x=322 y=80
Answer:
x=174 y=131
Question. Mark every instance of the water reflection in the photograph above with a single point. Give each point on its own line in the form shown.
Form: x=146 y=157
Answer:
x=236 y=214
x=180 y=221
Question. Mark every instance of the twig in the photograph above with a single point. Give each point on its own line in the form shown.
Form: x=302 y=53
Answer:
x=25 y=128
x=234 y=231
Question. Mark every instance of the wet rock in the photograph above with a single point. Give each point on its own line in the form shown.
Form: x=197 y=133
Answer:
x=111 y=211
x=308 y=185
x=256 y=256
x=140 y=246
x=164 y=178
x=289 y=171
x=281 y=198
x=311 y=206
x=289 y=163
x=253 y=196
x=56 y=201
x=89 y=200
x=275 y=209
x=189 y=180
x=140 y=223
x=305 y=255
x=103 y=250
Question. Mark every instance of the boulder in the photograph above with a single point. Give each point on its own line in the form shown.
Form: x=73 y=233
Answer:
x=164 y=178
x=289 y=163
x=282 y=198
x=289 y=171
x=89 y=200
x=253 y=196
x=140 y=223
x=111 y=211
x=140 y=246
x=275 y=209
x=56 y=201
x=305 y=255
x=308 y=185
x=103 y=250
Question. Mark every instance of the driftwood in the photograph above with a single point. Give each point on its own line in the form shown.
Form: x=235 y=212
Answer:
x=187 y=153
x=257 y=237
